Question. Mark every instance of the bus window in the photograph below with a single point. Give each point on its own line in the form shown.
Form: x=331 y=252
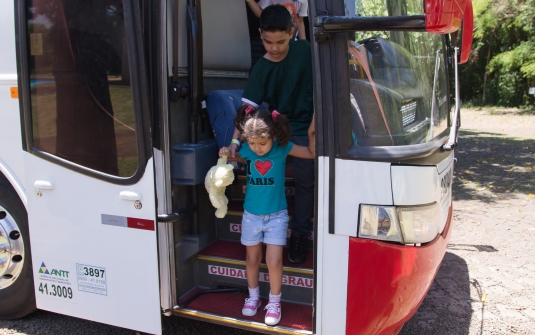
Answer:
x=81 y=99
x=398 y=82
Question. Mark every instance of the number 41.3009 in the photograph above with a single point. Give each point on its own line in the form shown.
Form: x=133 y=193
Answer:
x=56 y=291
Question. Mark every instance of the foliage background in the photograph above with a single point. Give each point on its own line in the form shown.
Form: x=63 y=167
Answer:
x=502 y=63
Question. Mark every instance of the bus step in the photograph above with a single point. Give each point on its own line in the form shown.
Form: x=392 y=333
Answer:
x=224 y=262
x=229 y=227
x=225 y=308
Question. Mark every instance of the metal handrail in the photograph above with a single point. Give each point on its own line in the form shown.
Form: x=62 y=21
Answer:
x=454 y=130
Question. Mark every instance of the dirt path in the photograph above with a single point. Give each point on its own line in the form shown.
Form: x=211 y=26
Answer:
x=507 y=121
x=486 y=284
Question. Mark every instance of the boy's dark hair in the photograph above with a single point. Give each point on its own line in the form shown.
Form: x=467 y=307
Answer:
x=259 y=123
x=275 y=18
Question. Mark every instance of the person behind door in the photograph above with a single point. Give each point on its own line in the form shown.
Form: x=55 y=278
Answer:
x=283 y=80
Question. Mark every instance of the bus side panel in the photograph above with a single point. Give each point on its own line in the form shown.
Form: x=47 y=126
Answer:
x=332 y=259
x=366 y=183
x=11 y=159
x=389 y=282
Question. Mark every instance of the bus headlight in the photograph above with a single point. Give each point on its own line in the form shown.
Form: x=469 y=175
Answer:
x=379 y=223
x=419 y=224
x=407 y=225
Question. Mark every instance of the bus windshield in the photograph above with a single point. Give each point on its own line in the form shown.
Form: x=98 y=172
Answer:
x=398 y=80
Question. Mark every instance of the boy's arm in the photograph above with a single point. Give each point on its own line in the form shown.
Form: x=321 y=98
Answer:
x=302 y=151
x=255 y=8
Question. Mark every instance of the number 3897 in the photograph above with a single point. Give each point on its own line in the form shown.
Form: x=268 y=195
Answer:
x=94 y=272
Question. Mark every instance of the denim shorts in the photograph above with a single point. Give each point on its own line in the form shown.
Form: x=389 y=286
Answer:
x=269 y=228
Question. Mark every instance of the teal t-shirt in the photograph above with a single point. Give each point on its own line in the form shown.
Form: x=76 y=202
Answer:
x=286 y=86
x=264 y=193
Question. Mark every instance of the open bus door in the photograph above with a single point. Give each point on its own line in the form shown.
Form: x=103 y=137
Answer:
x=384 y=118
x=89 y=173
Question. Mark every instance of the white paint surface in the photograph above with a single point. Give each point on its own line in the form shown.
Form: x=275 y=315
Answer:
x=332 y=264
x=415 y=185
x=359 y=182
x=11 y=160
x=66 y=229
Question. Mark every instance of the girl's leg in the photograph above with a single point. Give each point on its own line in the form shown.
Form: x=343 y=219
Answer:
x=252 y=264
x=274 y=263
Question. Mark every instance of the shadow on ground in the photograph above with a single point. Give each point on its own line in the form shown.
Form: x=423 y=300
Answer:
x=491 y=166
x=446 y=310
x=449 y=308
x=47 y=323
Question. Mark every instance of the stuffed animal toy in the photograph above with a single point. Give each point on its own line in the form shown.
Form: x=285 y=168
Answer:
x=217 y=178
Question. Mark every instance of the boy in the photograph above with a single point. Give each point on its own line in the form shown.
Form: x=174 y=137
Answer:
x=297 y=9
x=283 y=79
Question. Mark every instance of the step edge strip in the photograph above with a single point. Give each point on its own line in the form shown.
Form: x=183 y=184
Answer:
x=262 y=265
x=235 y=213
x=243 y=323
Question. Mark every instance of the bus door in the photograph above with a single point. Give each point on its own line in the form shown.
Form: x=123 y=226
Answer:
x=89 y=173
x=382 y=106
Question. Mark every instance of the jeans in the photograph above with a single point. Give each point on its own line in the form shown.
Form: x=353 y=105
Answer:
x=269 y=228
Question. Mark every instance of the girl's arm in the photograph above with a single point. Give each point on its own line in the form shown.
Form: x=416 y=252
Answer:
x=224 y=151
x=232 y=148
x=302 y=151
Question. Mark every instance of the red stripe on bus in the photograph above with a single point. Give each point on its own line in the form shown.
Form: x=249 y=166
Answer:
x=140 y=224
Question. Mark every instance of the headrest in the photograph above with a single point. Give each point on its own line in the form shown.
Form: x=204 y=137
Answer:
x=226 y=41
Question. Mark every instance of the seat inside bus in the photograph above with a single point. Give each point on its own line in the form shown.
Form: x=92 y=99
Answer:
x=395 y=79
x=227 y=32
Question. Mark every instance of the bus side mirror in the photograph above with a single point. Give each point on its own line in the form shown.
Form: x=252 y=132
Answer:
x=467 y=32
x=444 y=16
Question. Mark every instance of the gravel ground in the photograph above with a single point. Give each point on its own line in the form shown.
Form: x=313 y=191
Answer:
x=487 y=280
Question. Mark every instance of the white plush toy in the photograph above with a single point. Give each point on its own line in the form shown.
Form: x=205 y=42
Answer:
x=217 y=178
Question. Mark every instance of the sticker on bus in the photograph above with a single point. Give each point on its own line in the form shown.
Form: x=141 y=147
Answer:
x=91 y=279
x=53 y=280
x=290 y=280
x=263 y=277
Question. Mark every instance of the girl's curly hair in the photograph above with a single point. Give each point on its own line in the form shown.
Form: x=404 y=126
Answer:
x=259 y=123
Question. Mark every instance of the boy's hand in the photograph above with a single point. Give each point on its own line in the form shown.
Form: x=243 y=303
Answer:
x=312 y=128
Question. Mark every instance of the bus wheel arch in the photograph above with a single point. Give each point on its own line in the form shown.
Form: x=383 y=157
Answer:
x=17 y=291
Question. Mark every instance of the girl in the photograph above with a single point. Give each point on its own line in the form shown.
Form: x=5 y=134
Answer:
x=265 y=218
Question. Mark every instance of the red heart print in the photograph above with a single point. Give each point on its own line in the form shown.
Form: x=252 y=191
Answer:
x=263 y=166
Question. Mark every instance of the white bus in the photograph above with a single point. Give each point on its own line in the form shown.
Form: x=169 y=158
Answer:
x=105 y=139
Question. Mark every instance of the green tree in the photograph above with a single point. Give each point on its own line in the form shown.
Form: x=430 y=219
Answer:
x=502 y=64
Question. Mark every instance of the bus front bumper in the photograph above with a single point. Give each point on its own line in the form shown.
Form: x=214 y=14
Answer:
x=388 y=282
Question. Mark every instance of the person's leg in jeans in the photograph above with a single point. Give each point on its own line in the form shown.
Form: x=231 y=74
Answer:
x=304 y=203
